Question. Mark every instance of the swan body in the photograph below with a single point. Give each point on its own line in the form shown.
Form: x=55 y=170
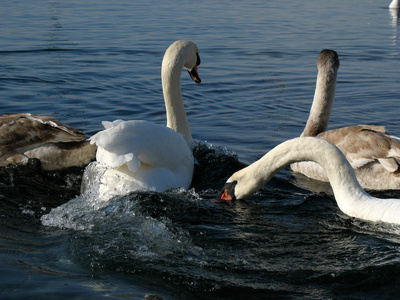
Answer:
x=394 y=4
x=56 y=145
x=140 y=155
x=350 y=197
x=373 y=154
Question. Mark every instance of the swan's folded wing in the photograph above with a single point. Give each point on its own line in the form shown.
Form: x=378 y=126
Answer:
x=21 y=130
x=377 y=128
x=362 y=145
x=390 y=164
x=112 y=160
x=356 y=161
x=161 y=147
x=136 y=142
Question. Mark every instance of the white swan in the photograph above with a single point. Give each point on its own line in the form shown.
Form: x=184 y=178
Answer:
x=56 y=145
x=373 y=154
x=350 y=197
x=394 y=4
x=141 y=155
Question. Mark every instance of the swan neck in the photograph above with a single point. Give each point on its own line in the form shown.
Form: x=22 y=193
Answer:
x=322 y=104
x=350 y=197
x=341 y=175
x=171 y=83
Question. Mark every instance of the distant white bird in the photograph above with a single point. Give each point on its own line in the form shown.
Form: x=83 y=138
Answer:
x=394 y=4
x=350 y=197
x=373 y=154
x=141 y=155
x=56 y=145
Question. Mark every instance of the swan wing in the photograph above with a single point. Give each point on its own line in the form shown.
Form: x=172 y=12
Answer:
x=113 y=160
x=140 y=142
x=55 y=144
x=22 y=130
x=376 y=128
x=362 y=145
x=390 y=164
x=310 y=169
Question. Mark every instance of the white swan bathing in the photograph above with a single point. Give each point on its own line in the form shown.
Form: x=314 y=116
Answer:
x=56 y=145
x=140 y=155
x=350 y=197
x=373 y=154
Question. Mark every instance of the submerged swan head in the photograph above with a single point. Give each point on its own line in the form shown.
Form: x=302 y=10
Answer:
x=329 y=60
x=247 y=181
x=350 y=197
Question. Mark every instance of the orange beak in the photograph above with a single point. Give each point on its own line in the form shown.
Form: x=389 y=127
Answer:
x=194 y=74
x=225 y=196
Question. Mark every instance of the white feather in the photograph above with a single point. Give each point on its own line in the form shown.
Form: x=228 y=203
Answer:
x=350 y=197
x=141 y=155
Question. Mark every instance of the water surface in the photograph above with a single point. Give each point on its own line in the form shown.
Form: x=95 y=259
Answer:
x=84 y=62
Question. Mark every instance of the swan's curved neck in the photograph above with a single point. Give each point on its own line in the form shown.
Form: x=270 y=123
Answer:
x=340 y=174
x=349 y=195
x=322 y=104
x=171 y=83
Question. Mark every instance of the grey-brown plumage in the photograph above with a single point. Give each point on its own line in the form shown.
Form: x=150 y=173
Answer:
x=55 y=144
x=373 y=154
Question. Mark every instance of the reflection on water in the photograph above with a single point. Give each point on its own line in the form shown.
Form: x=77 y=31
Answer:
x=394 y=14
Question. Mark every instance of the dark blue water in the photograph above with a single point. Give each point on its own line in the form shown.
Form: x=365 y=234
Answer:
x=85 y=62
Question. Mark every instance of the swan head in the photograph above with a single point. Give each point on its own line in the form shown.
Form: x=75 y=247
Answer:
x=328 y=59
x=192 y=61
x=228 y=192
x=187 y=53
x=239 y=189
x=193 y=72
x=242 y=184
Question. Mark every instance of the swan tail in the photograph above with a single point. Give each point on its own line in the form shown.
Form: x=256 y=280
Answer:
x=113 y=135
x=112 y=160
